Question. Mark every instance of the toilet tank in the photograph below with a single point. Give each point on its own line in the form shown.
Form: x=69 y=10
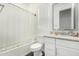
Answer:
x=40 y=39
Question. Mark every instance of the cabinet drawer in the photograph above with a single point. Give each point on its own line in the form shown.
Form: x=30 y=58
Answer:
x=69 y=44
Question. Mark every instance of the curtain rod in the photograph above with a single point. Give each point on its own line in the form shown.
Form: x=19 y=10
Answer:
x=23 y=9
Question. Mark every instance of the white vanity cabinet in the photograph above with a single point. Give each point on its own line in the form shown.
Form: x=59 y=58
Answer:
x=49 y=46
x=67 y=48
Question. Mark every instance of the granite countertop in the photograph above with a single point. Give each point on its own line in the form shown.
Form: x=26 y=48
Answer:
x=66 y=37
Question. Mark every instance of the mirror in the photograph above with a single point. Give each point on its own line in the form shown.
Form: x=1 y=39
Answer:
x=65 y=19
x=63 y=16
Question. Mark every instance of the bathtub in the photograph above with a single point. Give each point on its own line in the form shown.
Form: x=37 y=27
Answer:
x=21 y=49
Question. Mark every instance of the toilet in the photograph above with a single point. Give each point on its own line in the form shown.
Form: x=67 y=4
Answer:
x=36 y=48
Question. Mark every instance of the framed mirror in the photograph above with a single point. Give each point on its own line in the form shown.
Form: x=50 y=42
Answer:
x=63 y=16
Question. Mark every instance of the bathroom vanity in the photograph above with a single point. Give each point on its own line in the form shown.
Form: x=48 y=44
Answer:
x=61 y=45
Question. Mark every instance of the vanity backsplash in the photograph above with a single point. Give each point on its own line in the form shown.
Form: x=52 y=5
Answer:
x=70 y=33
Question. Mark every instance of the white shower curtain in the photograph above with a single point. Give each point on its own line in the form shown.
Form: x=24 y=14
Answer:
x=16 y=27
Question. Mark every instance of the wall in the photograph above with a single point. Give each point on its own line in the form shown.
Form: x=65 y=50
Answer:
x=17 y=27
x=45 y=19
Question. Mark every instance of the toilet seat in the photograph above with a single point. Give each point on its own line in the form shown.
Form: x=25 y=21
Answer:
x=36 y=47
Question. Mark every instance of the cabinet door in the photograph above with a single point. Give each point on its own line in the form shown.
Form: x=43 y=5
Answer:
x=67 y=48
x=64 y=51
x=49 y=46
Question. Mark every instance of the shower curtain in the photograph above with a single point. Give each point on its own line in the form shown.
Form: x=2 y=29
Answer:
x=17 y=27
